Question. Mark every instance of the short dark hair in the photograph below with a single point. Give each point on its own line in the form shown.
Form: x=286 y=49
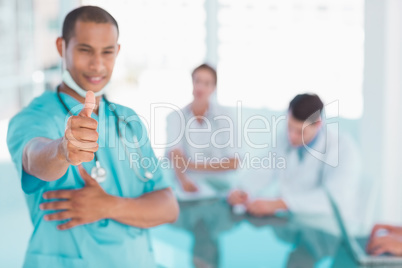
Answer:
x=206 y=67
x=306 y=106
x=85 y=14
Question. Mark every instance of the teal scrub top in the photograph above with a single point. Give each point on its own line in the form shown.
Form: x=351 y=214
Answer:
x=106 y=243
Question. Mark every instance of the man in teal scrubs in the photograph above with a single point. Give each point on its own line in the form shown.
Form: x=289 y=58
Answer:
x=79 y=219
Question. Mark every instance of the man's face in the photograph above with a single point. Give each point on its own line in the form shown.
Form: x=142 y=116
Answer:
x=203 y=85
x=91 y=53
x=299 y=136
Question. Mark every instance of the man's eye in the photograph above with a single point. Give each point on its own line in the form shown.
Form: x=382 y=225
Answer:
x=84 y=50
x=108 y=52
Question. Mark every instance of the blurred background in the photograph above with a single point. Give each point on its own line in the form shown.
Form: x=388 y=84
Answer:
x=265 y=51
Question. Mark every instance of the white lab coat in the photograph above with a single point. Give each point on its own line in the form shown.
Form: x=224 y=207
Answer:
x=215 y=131
x=302 y=183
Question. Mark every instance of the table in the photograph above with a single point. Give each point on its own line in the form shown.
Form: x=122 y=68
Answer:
x=209 y=234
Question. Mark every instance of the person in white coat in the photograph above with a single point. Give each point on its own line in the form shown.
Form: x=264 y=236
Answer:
x=200 y=136
x=316 y=160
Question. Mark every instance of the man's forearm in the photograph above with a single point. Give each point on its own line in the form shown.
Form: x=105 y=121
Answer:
x=231 y=164
x=280 y=204
x=182 y=164
x=42 y=158
x=147 y=211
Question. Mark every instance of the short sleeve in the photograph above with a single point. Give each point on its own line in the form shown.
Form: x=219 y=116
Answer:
x=23 y=127
x=228 y=128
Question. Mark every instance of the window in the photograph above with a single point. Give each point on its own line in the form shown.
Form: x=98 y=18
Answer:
x=270 y=51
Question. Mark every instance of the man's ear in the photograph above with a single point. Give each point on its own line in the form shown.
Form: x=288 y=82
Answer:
x=118 y=50
x=318 y=123
x=59 y=46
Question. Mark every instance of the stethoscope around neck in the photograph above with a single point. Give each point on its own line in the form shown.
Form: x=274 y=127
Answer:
x=98 y=172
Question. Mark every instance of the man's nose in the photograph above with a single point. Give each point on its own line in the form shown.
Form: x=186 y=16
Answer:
x=198 y=90
x=96 y=63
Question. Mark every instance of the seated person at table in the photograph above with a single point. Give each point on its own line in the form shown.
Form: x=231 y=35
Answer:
x=198 y=140
x=311 y=153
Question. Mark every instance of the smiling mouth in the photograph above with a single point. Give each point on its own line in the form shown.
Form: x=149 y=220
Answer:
x=94 y=79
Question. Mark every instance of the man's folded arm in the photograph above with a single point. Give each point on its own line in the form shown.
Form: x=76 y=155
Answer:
x=148 y=210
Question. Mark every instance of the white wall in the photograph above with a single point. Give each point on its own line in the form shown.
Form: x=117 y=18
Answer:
x=382 y=123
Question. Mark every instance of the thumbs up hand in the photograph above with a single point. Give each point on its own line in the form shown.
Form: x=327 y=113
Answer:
x=89 y=105
x=79 y=142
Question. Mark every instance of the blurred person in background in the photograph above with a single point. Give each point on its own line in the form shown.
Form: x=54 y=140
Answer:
x=200 y=140
x=316 y=159
x=80 y=218
x=385 y=239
